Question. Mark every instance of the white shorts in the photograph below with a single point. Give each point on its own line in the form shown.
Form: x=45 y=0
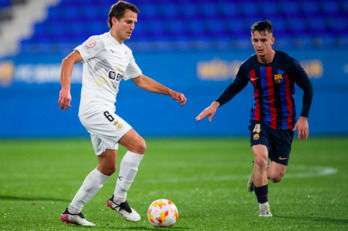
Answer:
x=106 y=129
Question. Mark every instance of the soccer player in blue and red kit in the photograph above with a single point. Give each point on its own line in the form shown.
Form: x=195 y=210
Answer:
x=273 y=119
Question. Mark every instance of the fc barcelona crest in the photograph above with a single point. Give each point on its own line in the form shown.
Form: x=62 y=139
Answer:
x=278 y=78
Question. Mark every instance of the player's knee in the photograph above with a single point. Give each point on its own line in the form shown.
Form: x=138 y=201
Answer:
x=260 y=162
x=140 y=147
x=275 y=178
x=111 y=171
x=108 y=170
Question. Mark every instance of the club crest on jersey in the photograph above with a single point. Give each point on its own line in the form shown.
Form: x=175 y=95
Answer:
x=118 y=125
x=278 y=78
x=90 y=43
x=256 y=136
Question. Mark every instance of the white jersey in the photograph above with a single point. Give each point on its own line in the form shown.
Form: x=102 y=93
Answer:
x=105 y=63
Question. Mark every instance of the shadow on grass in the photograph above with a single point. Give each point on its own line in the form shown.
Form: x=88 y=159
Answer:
x=145 y=228
x=18 y=198
x=110 y=227
x=319 y=219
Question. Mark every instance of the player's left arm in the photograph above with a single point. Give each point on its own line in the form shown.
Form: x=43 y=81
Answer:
x=151 y=85
x=302 y=80
x=234 y=88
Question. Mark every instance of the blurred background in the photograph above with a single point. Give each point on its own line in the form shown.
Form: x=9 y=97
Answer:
x=191 y=46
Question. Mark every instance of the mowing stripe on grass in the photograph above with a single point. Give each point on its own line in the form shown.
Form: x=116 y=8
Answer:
x=301 y=172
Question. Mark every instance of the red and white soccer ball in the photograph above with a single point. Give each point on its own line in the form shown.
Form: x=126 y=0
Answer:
x=162 y=213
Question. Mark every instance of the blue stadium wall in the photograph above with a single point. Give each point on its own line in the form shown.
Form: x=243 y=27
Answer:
x=29 y=88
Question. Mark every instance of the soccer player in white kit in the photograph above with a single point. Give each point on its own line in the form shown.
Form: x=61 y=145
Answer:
x=106 y=61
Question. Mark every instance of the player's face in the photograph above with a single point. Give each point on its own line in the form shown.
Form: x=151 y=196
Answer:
x=124 y=27
x=262 y=43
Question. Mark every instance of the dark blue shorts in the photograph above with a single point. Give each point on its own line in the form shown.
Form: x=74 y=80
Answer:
x=278 y=142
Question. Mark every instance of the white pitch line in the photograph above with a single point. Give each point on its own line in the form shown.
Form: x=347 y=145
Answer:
x=312 y=171
x=295 y=171
x=300 y=172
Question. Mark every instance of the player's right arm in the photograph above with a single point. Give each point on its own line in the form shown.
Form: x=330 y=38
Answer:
x=209 y=111
x=65 y=79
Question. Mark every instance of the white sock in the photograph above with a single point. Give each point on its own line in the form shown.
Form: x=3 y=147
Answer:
x=263 y=205
x=90 y=186
x=128 y=170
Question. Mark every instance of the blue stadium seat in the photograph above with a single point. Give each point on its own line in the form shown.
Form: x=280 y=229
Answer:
x=5 y=3
x=235 y=26
x=149 y=11
x=338 y=24
x=317 y=24
x=207 y=10
x=250 y=20
x=90 y=12
x=268 y=8
x=155 y=31
x=289 y=8
x=168 y=11
x=279 y=26
x=199 y=20
x=330 y=7
x=174 y=27
x=194 y=28
x=213 y=29
x=249 y=8
x=189 y=11
x=227 y=9
x=296 y=25
x=310 y=8
x=344 y=6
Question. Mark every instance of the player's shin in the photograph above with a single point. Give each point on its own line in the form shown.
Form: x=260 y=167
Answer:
x=128 y=170
x=91 y=185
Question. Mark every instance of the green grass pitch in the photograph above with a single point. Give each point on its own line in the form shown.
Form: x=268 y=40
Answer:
x=205 y=178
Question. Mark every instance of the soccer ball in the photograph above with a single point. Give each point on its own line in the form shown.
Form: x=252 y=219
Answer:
x=162 y=213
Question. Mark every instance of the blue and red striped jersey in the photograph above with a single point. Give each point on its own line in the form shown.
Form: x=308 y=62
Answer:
x=274 y=90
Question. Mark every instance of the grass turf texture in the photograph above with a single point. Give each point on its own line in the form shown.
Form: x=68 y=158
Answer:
x=205 y=178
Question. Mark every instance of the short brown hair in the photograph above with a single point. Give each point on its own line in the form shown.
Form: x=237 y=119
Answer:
x=262 y=27
x=117 y=10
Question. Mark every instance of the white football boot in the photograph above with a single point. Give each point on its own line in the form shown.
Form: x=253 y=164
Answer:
x=124 y=210
x=264 y=210
x=250 y=184
x=77 y=219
